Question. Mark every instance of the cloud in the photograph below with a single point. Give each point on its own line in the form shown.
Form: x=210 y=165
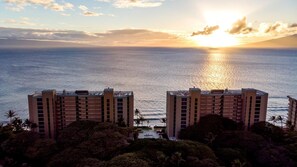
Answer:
x=43 y=34
x=272 y=28
x=23 y=21
x=240 y=27
x=65 y=14
x=82 y=7
x=15 y=8
x=276 y=28
x=293 y=25
x=86 y=12
x=134 y=3
x=206 y=31
x=123 y=37
x=141 y=37
x=18 y=5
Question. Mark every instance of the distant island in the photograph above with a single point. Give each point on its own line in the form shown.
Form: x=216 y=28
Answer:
x=284 y=42
x=16 y=43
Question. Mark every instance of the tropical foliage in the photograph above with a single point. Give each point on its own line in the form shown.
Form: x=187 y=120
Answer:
x=214 y=141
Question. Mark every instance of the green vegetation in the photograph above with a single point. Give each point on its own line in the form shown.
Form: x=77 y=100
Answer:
x=214 y=141
x=264 y=145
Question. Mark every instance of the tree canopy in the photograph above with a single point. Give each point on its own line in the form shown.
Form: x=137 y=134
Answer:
x=215 y=141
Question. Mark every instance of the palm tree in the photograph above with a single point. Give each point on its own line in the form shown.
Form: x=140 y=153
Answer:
x=139 y=118
x=280 y=118
x=10 y=114
x=137 y=112
x=163 y=120
x=137 y=121
x=273 y=119
x=27 y=123
x=17 y=124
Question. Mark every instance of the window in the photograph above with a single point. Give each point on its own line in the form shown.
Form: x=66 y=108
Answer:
x=184 y=99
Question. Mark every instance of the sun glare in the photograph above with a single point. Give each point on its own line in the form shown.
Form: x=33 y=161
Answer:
x=222 y=18
x=219 y=38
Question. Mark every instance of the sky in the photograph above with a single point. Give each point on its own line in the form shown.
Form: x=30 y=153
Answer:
x=211 y=23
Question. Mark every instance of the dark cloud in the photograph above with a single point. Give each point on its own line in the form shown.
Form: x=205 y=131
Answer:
x=206 y=31
x=240 y=27
x=293 y=25
x=272 y=28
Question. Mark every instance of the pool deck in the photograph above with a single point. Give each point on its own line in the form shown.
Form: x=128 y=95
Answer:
x=148 y=134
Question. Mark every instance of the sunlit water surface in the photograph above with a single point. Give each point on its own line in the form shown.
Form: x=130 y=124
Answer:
x=148 y=72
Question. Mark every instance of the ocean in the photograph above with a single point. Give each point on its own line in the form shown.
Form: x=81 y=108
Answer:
x=148 y=72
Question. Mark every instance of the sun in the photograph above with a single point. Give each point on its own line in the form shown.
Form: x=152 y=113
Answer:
x=215 y=40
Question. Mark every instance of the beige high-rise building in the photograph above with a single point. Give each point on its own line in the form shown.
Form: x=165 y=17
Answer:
x=52 y=111
x=292 y=112
x=184 y=108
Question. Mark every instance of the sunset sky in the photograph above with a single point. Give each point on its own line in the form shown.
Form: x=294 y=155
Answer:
x=211 y=23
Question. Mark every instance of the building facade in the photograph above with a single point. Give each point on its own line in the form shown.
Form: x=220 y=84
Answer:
x=52 y=111
x=184 y=108
x=292 y=112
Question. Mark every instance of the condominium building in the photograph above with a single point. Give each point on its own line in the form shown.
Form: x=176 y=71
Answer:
x=184 y=108
x=292 y=112
x=52 y=111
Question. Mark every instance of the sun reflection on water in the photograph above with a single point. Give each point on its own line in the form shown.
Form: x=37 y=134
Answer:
x=216 y=71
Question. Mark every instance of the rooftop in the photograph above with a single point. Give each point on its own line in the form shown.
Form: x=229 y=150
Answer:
x=217 y=92
x=259 y=92
x=180 y=93
x=85 y=93
x=123 y=93
x=79 y=92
